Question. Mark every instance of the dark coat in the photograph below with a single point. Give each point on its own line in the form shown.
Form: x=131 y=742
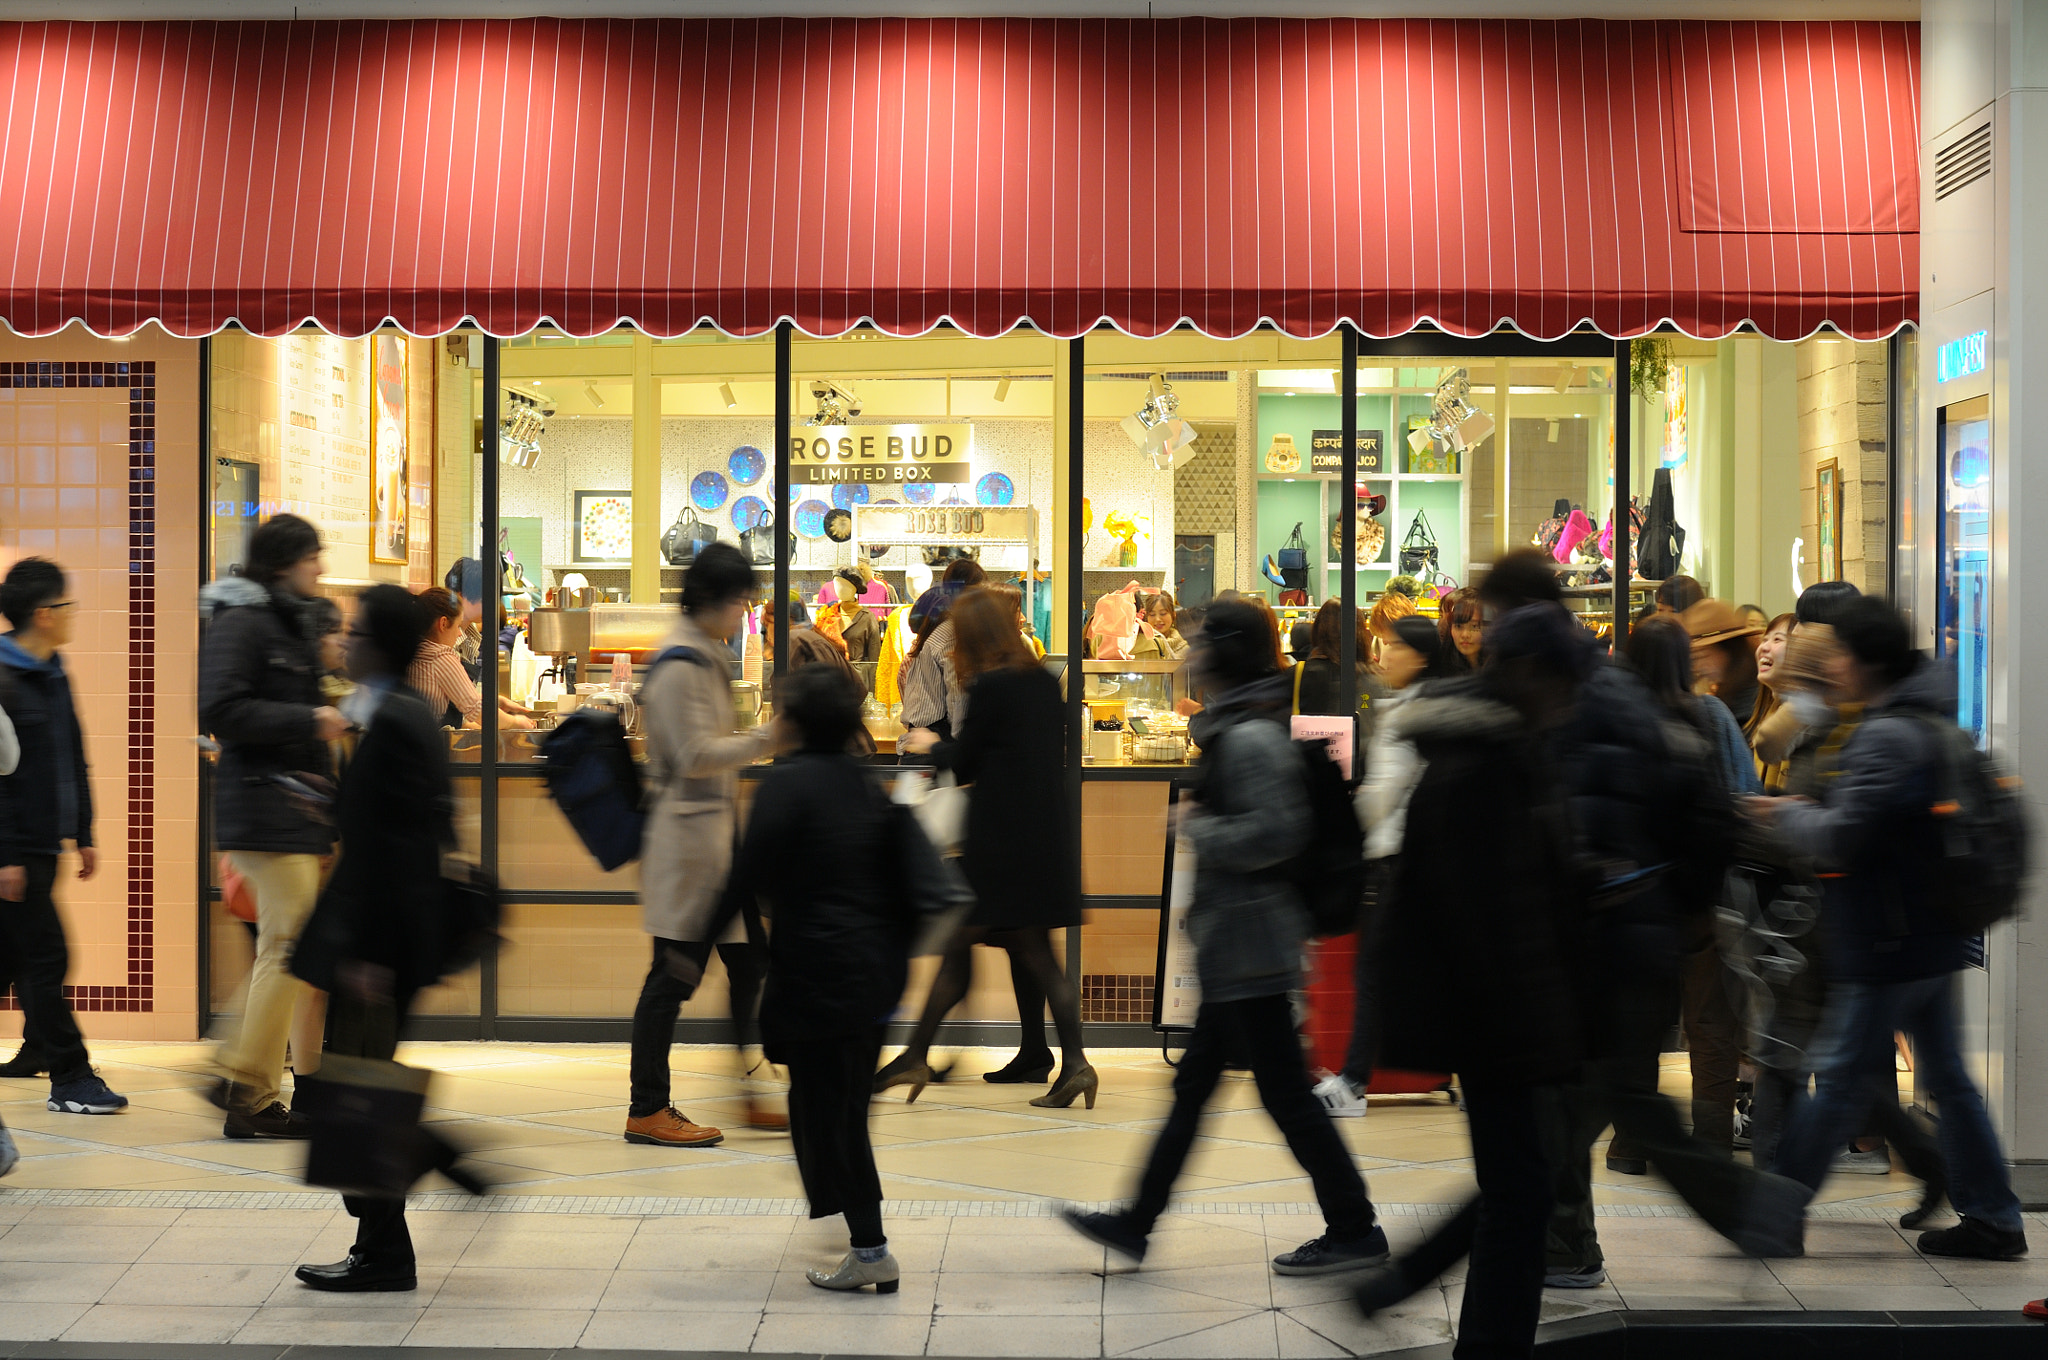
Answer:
x=863 y=635
x=1477 y=931
x=395 y=816
x=836 y=942
x=1020 y=856
x=1874 y=839
x=48 y=798
x=259 y=682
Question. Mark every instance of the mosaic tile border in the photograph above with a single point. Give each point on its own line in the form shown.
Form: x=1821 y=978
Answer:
x=139 y=992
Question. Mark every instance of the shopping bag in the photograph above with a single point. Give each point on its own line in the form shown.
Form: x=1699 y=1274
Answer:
x=935 y=898
x=366 y=1135
x=940 y=805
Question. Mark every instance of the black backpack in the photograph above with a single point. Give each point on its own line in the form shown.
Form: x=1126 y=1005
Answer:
x=1981 y=834
x=594 y=780
x=1330 y=871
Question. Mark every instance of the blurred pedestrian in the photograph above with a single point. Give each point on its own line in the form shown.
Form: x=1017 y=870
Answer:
x=375 y=923
x=439 y=676
x=836 y=956
x=1249 y=818
x=260 y=696
x=44 y=802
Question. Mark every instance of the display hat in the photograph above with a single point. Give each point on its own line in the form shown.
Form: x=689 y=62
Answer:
x=1712 y=621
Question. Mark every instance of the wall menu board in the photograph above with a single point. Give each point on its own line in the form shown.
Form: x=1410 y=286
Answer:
x=324 y=434
x=942 y=525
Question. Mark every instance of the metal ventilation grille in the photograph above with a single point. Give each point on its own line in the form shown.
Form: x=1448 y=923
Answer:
x=1962 y=162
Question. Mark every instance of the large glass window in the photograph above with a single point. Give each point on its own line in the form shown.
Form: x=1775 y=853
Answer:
x=1963 y=600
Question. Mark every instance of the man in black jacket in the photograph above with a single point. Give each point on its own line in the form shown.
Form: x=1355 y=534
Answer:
x=45 y=802
x=259 y=694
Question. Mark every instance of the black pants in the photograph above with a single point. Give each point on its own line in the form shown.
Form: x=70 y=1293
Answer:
x=1713 y=1037
x=1263 y=1028
x=661 y=1000
x=1780 y=1091
x=34 y=958
x=360 y=1029
x=829 y=1085
x=1363 y=1051
x=1504 y=1283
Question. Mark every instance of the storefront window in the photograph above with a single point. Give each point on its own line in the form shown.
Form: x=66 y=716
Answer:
x=1963 y=601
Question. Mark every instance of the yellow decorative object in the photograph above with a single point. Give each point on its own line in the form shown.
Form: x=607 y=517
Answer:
x=1124 y=529
x=1282 y=456
x=1087 y=515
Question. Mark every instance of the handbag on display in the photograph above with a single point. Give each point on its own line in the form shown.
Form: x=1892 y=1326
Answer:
x=1292 y=560
x=759 y=545
x=1419 y=549
x=684 y=539
x=1663 y=541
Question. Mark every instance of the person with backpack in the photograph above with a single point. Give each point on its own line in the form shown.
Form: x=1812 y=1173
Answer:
x=694 y=753
x=1251 y=818
x=1901 y=901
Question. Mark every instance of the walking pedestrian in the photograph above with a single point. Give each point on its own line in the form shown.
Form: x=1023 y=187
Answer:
x=694 y=752
x=1892 y=954
x=374 y=922
x=836 y=958
x=260 y=696
x=1249 y=819
x=45 y=802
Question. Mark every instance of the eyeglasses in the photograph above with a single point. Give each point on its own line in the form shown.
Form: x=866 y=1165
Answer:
x=60 y=604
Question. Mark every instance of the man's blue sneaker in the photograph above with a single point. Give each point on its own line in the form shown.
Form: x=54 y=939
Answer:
x=85 y=1095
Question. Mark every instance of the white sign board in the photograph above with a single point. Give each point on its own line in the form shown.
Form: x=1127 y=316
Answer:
x=941 y=525
x=1179 y=988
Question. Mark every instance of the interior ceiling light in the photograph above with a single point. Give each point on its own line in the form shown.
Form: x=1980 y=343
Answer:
x=590 y=394
x=1003 y=388
x=1570 y=378
x=1157 y=429
x=836 y=405
x=725 y=395
x=521 y=427
x=1453 y=420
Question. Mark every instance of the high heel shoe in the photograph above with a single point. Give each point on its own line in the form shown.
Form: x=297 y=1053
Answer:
x=853 y=1272
x=902 y=1070
x=1083 y=1083
x=1022 y=1070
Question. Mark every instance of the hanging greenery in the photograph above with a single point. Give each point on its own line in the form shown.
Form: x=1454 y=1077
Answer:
x=1649 y=364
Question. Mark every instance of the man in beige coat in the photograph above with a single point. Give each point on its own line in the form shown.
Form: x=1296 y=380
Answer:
x=694 y=753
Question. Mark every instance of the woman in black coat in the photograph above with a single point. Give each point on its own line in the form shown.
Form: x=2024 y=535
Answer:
x=836 y=955
x=1019 y=857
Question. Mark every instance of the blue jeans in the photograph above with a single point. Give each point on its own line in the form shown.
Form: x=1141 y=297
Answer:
x=1852 y=1059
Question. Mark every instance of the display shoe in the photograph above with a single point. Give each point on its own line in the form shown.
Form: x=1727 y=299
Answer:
x=1974 y=1239
x=357 y=1276
x=1083 y=1083
x=1026 y=1069
x=272 y=1121
x=854 y=1273
x=25 y=1063
x=1114 y=1231
x=759 y=1116
x=668 y=1128
x=904 y=1070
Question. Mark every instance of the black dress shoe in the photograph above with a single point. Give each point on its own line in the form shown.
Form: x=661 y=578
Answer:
x=26 y=1063
x=273 y=1121
x=357 y=1276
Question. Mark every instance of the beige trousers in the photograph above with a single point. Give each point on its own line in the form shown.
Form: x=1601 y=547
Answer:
x=280 y=1008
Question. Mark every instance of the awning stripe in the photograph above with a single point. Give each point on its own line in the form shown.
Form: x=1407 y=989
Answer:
x=1064 y=173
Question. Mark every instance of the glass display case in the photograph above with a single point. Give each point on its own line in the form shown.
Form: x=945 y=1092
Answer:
x=1132 y=712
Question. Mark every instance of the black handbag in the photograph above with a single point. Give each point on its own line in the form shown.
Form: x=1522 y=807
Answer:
x=684 y=539
x=1419 y=549
x=1292 y=559
x=759 y=545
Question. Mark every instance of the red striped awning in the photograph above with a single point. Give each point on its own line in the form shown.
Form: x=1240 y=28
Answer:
x=1061 y=173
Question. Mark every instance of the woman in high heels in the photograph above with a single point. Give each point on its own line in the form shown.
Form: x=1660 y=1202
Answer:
x=1020 y=857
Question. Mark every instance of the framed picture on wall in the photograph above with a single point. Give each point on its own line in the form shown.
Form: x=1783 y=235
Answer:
x=390 y=485
x=603 y=527
x=1827 y=485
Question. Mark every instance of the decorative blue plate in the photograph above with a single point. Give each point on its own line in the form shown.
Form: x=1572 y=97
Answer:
x=810 y=519
x=919 y=493
x=747 y=464
x=846 y=495
x=749 y=512
x=995 y=488
x=708 y=490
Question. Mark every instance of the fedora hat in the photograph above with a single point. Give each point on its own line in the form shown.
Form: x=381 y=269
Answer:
x=1711 y=621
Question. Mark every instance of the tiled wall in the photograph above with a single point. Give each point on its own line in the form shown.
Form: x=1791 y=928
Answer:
x=99 y=468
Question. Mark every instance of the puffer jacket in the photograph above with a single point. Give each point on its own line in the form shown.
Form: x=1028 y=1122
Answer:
x=47 y=799
x=259 y=682
x=1873 y=837
x=1247 y=920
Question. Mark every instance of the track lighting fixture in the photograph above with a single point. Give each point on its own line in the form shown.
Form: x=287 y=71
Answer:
x=725 y=395
x=590 y=395
x=836 y=405
x=1003 y=388
x=1157 y=429
x=521 y=427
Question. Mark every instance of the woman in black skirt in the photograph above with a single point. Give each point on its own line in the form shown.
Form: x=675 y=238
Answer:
x=1020 y=857
x=836 y=954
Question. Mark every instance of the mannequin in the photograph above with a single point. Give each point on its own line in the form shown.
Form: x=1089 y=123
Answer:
x=858 y=627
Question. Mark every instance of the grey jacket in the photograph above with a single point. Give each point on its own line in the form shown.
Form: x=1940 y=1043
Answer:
x=1247 y=920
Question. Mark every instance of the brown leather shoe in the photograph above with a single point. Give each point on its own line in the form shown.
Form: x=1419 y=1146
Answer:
x=668 y=1128
x=760 y=1117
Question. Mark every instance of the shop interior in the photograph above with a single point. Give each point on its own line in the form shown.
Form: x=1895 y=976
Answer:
x=1203 y=466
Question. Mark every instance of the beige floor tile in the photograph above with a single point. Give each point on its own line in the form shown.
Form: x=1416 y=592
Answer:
x=750 y=1226
x=494 y=1287
x=524 y=1327
x=1238 y=1285
x=68 y=1242
x=702 y=1172
x=219 y=1284
x=1884 y=1297
x=180 y=1323
x=859 y=1330
x=1655 y=1273
x=34 y=1320
x=1424 y=1320
x=1811 y=1270
x=1051 y=1337
x=254 y=1243
x=244 y=1154
x=1019 y=1295
x=1709 y=1297
x=705 y=1251
x=1041 y=1253
x=681 y=1290
x=585 y=1157
x=1251 y=1337
x=1295 y=1341
x=699 y=1330
x=94 y=1171
x=56 y=1282
x=514 y=1250
x=383 y=1325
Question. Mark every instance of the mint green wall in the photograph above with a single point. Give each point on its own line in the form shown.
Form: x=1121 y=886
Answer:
x=1280 y=505
x=1442 y=501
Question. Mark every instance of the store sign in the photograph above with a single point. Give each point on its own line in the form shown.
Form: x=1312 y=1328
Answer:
x=939 y=525
x=1960 y=358
x=881 y=453
x=1326 y=451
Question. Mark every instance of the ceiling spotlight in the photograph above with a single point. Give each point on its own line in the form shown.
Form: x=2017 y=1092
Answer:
x=1157 y=429
x=725 y=395
x=1453 y=419
x=1003 y=388
x=836 y=405
x=1570 y=377
x=1553 y=432
x=521 y=427
x=590 y=395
